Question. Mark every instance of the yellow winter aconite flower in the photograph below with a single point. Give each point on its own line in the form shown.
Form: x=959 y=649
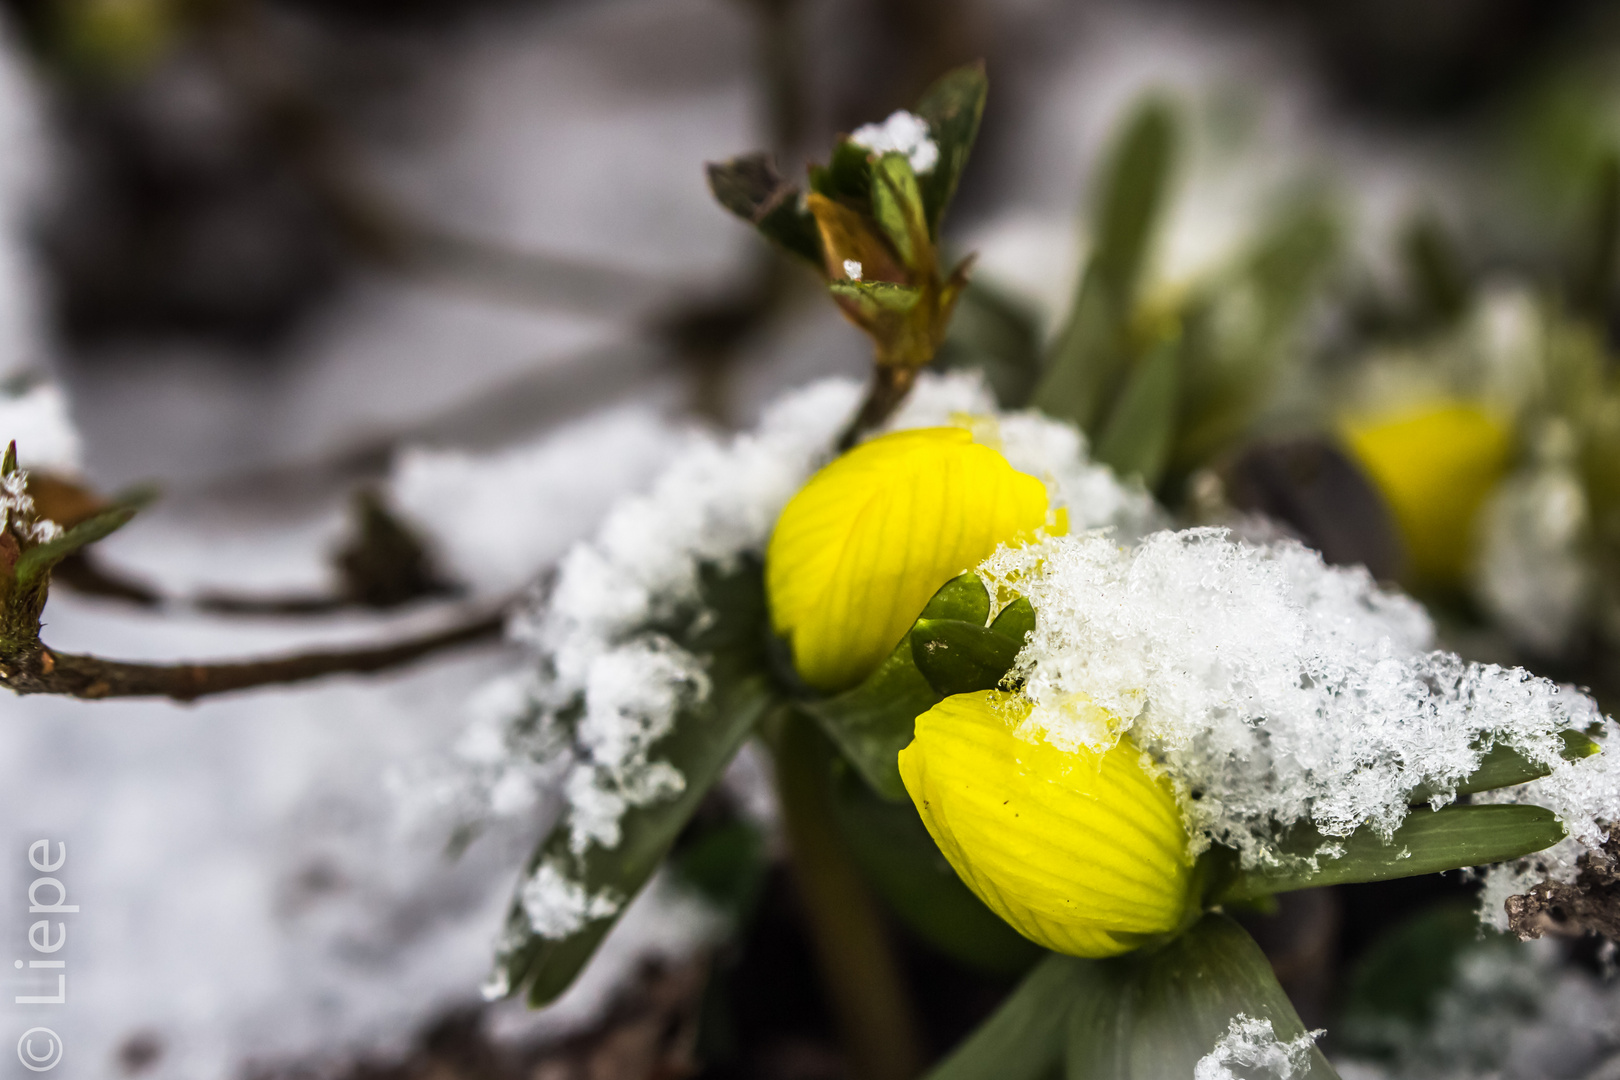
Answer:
x=858 y=552
x=1434 y=465
x=1084 y=852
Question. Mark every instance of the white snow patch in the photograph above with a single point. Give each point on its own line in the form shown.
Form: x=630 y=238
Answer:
x=1250 y=1050
x=37 y=421
x=902 y=133
x=493 y=518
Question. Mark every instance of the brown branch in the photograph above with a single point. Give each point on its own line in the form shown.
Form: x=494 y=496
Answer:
x=42 y=670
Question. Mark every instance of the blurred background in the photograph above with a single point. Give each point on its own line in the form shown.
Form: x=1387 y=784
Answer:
x=430 y=284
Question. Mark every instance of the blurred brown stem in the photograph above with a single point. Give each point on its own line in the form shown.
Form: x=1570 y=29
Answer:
x=888 y=388
x=858 y=966
x=37 y=669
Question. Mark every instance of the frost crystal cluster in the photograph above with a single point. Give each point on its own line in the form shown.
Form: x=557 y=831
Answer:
x=902 y=133
x=606 y=685
x=1250 y=1050
x=1277 y=689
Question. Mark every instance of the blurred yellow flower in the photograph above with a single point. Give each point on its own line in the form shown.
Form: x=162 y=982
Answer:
x=1081 y=851
x=858 y=552
x=1434 y=465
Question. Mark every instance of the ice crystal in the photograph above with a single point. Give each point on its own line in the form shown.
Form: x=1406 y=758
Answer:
x=902 y=133
x=1276 y=689
x=853 y=269
x=1250 y=1050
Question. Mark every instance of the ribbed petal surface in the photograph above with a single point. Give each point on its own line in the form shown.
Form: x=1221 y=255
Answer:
x=858 y=552
x=1082 y=852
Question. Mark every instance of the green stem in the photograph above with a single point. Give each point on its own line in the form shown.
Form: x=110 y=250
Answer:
x=858 y=965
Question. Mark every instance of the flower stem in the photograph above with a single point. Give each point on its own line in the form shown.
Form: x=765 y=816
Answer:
x=858 y=966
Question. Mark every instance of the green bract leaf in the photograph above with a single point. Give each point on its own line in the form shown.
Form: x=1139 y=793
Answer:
x=1167 y=1009
x=750 y=187
x=1090 y=355
x=1427 y=842
x=1141 y=428
x=890 y=844
x=1504 y=766
x=704 y=740
x=952 y=107
x=958 y=657
x=847 y=176
x=1025 y=1038
x=871 y=723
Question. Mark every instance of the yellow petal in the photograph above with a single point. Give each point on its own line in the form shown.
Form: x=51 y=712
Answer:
x=1434 y=465
x=858 y=552
x=1081 y=851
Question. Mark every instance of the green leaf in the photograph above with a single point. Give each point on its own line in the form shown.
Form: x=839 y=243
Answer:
x=1427 y=842
x=1502 y=766
x=890 y=844
x=1169 y=1007
x=877 y=300
x=999 y=336
x=871 y=723
x=704 y=740
x=953 y=106
x=847 y=176
x=750 y=187
x=37 y=561
x=1141 y=427
x=1025 y=1038
x=1090 y=355
x=897 y=206
x=1390 y=994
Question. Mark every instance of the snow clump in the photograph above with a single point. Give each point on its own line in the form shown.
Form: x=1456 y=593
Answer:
x=1251 y=1047
x=1276 y=689
x=902 y=133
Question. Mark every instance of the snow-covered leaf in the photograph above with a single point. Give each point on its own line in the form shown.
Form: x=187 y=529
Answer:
x=570 y=900
x=1426 y=843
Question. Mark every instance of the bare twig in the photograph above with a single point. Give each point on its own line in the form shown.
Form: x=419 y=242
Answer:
x=42 y=670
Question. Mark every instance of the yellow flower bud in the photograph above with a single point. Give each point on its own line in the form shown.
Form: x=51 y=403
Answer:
x=1434 y=465
x=858 y=552
x=1081 y=851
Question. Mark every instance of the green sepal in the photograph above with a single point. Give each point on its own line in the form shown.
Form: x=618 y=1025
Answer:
x=953 y=106
x=1427 y=842
x=871 y=723
x=1167 y=1008
x=1502 y=766
x=1026 y=1037
x=891 y=845
x=958 y=657
x=1140 y=430
x=726 y=633
x=750 y=187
